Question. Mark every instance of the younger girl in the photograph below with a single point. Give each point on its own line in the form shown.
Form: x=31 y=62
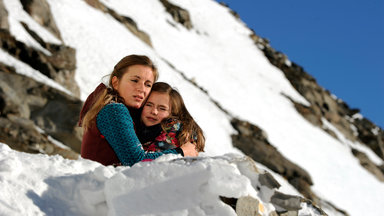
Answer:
x=166 y=123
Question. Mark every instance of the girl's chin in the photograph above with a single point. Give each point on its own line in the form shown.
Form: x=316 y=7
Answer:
x=149 y=124
x=134 y=105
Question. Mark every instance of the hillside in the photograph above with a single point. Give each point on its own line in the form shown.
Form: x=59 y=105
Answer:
x=248 y=98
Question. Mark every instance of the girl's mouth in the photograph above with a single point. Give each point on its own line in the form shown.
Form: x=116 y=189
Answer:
x=151 y=119
x=138 y=98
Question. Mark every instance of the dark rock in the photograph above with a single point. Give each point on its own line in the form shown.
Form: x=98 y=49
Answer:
x=366 y=135
x=369 y=165
x=60 y=66
x=381 y=167
x=41 y=13
x=253 y=141
x=21 y=134
x=310 y=113
x=266 y=179
x=53 y=111
x=317 y=209
x=229 y=201
x=287 y=205
x=178 y=14
x=304 y=188
x=287 y=202
x=3 y=16
x=234 y=13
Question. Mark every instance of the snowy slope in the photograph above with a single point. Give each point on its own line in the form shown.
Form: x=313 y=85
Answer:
x=219 y=55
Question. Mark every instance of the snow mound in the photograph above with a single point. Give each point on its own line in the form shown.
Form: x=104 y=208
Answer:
x=37 y=184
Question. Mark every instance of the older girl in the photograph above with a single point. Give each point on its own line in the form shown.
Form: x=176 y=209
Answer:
x=166 y=122
x=109 y=135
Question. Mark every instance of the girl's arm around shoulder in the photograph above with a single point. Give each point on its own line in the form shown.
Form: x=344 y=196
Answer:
x=173 y=127
x=115 y=124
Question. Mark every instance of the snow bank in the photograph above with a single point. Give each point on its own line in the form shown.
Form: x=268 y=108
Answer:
x=37 y=184
x=50 y=185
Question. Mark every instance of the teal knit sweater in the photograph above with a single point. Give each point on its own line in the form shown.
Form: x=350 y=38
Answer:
x=115 y=124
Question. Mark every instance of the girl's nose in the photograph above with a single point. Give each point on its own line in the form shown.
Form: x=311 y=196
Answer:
x=154 y=111
x=141 y=87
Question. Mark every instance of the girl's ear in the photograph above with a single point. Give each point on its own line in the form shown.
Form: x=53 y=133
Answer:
x=115 y=82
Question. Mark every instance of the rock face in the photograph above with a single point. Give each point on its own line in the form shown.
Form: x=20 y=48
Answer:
x=178 y=14
x=59 y=66
x=41 y=13
x=369 y=165
x=30 y=112
x=27 y=102
x=323 y=105
x=3 y=16
x=370 y=134
x=253 y=141
x=33 y=114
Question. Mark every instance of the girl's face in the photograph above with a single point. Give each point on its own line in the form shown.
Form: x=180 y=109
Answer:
x=156 y=109
x=135 y=85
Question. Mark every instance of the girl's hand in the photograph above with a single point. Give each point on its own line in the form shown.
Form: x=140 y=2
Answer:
x=189 y=149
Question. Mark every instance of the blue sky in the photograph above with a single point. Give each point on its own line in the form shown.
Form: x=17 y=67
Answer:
x=340 y=43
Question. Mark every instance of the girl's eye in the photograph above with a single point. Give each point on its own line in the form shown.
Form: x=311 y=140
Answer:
x=163 y=109
x=148 y=85
x=148 y=104
x=135 y=80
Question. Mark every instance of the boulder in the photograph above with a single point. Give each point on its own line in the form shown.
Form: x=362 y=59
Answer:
x=22 y=134
x=59 y=66
x=178 y=14
x=254 y=142
x=3 y=16
x=55 y=112
x=369 y=165
x=41 y=13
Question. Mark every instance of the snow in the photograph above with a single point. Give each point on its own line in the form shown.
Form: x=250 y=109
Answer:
x=356 y=145
x=357 y=116
x=375 y=131
x=171 y=185
x=288 y=63
x=219 y=55
x=16 y=14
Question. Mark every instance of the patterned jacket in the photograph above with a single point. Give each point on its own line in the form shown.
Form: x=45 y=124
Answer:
x=167 y=138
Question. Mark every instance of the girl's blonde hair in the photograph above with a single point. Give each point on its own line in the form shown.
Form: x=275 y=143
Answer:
x=109 y=94
x=190 y=130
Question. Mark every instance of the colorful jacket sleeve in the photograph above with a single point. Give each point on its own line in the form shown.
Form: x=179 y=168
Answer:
x=167 y=139
x=115 y=124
